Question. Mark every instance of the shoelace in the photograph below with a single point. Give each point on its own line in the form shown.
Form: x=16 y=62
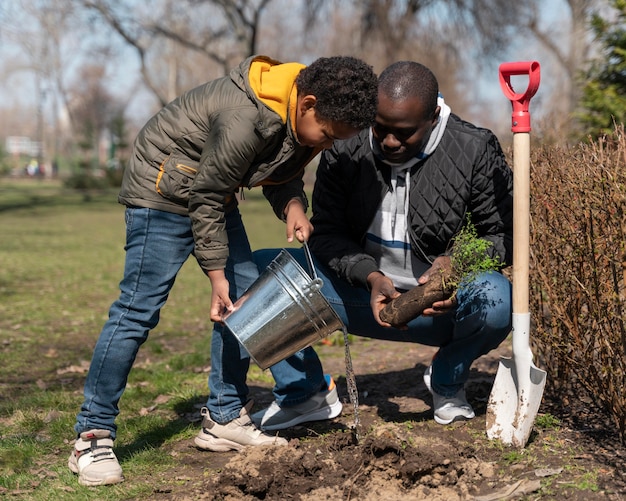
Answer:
x=106 y=451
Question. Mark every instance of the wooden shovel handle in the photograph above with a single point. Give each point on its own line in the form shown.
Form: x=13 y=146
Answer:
x=521 y=221
x=520 y=119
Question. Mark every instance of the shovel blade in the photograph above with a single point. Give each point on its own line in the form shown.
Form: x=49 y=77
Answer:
x=513 y=404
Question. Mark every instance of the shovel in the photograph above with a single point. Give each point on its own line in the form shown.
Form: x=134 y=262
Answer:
x=519 y=384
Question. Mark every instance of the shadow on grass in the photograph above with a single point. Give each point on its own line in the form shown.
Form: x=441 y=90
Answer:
x=188 y=417
x=63 y=197
x=382 y=389
x=154 y=438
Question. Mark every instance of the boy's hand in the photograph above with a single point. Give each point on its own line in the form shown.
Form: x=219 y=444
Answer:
x=220 y=301
x=298 y=224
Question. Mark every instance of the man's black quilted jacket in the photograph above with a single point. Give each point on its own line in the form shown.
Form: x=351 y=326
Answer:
x=466 y=173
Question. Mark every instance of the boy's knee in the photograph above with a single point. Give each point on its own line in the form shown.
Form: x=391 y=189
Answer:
x=263 y=257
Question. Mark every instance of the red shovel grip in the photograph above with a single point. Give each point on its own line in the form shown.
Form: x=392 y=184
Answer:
x=520 y=118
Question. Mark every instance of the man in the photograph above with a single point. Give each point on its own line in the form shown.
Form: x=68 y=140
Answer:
x=258 y=126
x=386 y=206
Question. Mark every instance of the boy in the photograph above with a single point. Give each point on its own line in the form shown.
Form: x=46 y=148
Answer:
x=258 y=126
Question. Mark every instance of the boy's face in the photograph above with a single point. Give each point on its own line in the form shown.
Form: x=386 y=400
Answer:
x=402 y=127
x=316 y=133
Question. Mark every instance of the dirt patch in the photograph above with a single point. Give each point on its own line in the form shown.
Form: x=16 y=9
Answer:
x=401 y=453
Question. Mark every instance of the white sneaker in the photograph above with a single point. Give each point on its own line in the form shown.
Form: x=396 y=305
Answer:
x=235 y=435
x=448 y=409
x=324 y=405
x=93 y=459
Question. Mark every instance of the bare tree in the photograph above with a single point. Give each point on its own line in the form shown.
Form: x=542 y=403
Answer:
x=41 y=29
x=243 y=17
x=93 y=109
x=454 y=36
x=221 y=31
x=478 y=27
x=571 y=49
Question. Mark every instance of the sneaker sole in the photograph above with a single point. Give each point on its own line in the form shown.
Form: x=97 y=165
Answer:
x=72 y=464
x=455 y=418
x=94 y=483
x=329 y=412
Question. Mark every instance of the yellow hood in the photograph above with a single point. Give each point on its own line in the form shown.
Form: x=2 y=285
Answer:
x=274 y=85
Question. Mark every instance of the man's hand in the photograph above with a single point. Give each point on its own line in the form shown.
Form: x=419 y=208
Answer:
x=440 y=307
x=298 y=224
x=382 y=291
x=220 y=301
x=434 y=272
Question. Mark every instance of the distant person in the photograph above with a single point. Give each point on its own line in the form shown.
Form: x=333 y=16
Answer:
x=258 y=126
x=386 y=207
x=32 y=168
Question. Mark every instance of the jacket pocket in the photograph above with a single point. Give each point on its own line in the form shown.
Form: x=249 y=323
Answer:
x=175 y=179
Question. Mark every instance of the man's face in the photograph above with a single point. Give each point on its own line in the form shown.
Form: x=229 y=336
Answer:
x=317 y=133
x=402 y=128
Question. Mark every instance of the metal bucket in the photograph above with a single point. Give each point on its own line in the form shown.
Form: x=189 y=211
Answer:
x=282 y=312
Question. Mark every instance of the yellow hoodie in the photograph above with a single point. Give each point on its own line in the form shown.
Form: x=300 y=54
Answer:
x=275 y=86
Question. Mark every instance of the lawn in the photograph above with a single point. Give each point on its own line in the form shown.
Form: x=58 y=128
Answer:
x=61 y=256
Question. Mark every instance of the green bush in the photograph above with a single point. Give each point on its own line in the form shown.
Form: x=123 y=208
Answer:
x=86 y=181
x=85 y=178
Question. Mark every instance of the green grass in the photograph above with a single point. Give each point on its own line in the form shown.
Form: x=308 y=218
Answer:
x=61 y=259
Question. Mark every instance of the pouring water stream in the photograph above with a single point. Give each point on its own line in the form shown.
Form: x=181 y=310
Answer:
x=353 y=392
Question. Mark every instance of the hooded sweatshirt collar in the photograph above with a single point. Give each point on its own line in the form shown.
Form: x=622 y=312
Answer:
x=274 y=85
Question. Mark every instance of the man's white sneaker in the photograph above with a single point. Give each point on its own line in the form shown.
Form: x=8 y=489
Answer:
x=448 y=409
x=324 y=405
x=93 y=459
x=235 y=435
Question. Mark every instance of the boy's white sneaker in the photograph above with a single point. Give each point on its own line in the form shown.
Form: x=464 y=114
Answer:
x=234 y=435
x=93 y=459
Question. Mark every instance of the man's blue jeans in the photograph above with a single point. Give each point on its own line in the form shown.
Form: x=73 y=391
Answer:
x=157 y=245
x=480 y=322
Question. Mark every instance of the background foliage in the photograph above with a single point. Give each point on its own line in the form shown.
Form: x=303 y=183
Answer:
x=604 y=94
x=80 y=77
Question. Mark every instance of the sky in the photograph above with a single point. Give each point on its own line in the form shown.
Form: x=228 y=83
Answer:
x=489 y=103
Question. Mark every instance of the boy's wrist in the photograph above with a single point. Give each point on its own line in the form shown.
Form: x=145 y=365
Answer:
x=290 y=205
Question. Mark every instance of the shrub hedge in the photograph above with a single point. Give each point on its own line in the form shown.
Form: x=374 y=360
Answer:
x=578 y=269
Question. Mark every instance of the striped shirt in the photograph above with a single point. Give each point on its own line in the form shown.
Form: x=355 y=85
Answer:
x=387 y=239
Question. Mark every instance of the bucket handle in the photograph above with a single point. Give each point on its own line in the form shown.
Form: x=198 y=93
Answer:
x=309 y=260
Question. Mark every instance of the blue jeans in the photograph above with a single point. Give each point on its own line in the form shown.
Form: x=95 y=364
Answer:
x=480 y=322
x=157 y=245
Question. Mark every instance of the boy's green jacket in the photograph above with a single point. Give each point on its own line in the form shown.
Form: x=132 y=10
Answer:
x=231 y=133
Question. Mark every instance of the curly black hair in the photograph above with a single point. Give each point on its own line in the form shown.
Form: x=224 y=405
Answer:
x=346 y=89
